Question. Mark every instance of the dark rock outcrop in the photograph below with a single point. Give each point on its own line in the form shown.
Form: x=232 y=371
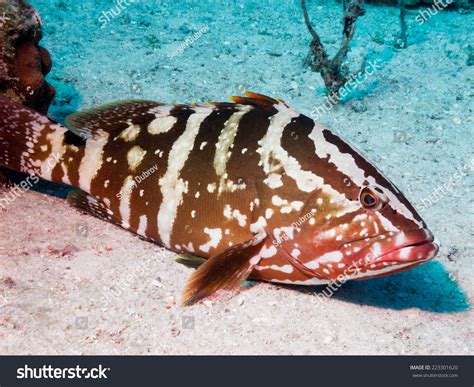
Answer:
x=23 y=63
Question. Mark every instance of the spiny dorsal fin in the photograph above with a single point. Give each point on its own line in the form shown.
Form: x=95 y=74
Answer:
x=225 y=271
x=259 y=100
x=108 y=118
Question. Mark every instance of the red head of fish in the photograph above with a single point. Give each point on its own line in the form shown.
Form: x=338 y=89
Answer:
x=355 y=225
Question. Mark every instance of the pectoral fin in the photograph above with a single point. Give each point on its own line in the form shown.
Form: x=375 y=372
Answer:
x=225 y=271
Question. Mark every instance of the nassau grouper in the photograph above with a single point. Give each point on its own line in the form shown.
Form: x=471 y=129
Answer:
x=245 y=189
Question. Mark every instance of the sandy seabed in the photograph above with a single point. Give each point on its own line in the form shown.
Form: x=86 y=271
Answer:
x=72 y=284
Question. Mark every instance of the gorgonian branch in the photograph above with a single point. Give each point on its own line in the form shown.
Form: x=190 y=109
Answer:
x=318 y=60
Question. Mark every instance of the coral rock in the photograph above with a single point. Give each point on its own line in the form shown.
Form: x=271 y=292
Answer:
x=23 y=63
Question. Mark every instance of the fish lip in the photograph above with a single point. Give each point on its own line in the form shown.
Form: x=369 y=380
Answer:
x=401 y=247
x=424 y=246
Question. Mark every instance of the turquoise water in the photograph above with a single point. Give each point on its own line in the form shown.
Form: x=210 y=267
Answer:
x=412 y=116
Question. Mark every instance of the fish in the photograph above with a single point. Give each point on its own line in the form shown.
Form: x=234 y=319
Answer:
x=248 y=189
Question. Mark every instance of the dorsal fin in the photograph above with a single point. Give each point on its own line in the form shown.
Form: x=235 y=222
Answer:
x=258 y=100
x=108 y=118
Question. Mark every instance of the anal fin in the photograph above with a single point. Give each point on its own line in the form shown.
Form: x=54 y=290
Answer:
x=224 y=271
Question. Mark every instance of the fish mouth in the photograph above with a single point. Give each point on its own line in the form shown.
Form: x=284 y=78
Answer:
x=399 y=249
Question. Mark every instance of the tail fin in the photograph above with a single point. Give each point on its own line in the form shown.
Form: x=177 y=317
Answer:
x=29 y=141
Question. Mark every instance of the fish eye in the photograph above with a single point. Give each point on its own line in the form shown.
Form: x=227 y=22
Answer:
x=369 y=200
x=372 y=199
